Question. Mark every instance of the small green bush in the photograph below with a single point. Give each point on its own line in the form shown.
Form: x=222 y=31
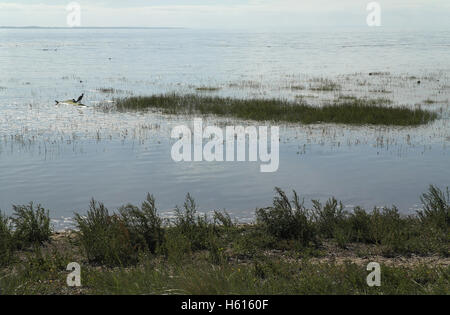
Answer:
x=144 y=225
x=385 y=225
x=359 y=222
x=176 y=247
x=397 y=234
x=329 y=218
x=31 y=225
x=436 y=208
x=286 y=220
x=39 y=264
x=223 y=219
x=7 y=245
x=104 y=237
x=197 y=229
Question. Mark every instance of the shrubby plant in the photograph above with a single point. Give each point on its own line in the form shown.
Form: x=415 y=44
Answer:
x=196 y=228
x=329 y=217
x=31 y=224
x=436 y=208
x=287 y=219
x=7 y=246
x=426 y=233
x=118 y=239
x=144 y=224
x=223 y=219
x=104 y=237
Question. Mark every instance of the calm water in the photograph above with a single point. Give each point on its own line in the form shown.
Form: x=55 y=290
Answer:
x=61 y=156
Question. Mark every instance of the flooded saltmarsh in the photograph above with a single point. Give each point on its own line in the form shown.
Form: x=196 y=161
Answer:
x=61 y=156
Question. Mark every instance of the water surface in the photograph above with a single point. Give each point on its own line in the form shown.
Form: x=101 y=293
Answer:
x=61 y=156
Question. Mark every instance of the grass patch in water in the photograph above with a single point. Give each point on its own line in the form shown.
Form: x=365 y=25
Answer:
x=353 y=111
x=297 y=87
x=379 y=73
x=207 y=89
x=325 y=85
x=429 y=101
x=109 y=90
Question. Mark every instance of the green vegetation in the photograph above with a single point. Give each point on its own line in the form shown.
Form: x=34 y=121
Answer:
x=287 y=220
x=362 y=101
x=6 y=240
x=291 y=249
x=325 y=85
x=343 y=111
x=207 y=89
x=435 y=211
x=144 y=224
x=297 y=87
x=29 y=227
x=32 y=225
x=379 y=73
x=105 y=238
x=268 y=276
x=429 y=101
x=107 y=90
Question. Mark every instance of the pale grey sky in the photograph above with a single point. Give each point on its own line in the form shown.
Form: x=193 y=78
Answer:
x=231 y=14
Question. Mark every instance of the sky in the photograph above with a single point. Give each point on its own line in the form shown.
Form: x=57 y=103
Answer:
x=228 y=14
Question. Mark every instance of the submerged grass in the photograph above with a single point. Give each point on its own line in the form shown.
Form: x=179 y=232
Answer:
x=347 y=111
x=325 y=85
x=107 y=90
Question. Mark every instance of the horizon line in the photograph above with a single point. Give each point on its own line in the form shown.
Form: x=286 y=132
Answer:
x=94 y=27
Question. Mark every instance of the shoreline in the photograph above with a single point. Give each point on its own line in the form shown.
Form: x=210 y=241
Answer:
x=290 y=249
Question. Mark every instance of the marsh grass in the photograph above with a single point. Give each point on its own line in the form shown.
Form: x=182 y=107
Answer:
x=207 y=89
x=44 y=274
x=107 y=90
x=429 y=101
x=325 y=85
x=267 y=277
x=382 y=90
x=343 y=111
x=379 y=73
x=363 y=101
x=297 y=87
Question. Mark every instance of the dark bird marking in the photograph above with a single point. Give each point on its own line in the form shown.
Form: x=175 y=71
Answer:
x=79 y=99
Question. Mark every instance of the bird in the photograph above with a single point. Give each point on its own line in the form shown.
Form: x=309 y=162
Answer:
x=80 y=98
x=73 y=101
